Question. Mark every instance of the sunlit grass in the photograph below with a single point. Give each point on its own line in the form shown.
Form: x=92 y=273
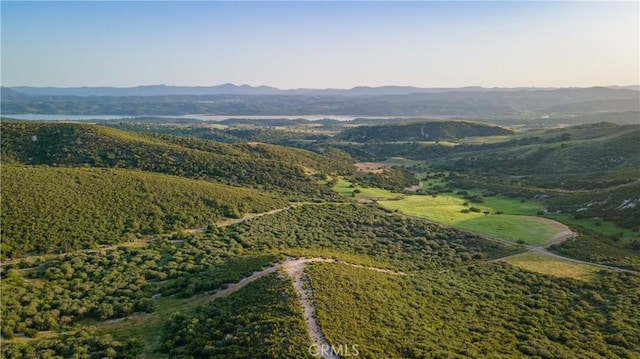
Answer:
x=539 y=263
x=515 y=223
x=344 y=187
x=447 y=209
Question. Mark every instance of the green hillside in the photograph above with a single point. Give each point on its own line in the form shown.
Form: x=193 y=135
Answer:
x=67 y=144
x=572 y=151
x=420 y=131
x=620 y=204
x=453 y=298
x=56 y=209
x=486 y=311
x=375 y=278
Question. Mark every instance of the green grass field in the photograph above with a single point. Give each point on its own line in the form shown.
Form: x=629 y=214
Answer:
x=344 y=187
x=515 y=223
x=539 y=263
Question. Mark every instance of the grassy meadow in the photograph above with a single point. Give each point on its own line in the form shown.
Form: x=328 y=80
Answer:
x=346 y=188
x=514 y=223
x=447 y=209
x=542 y=264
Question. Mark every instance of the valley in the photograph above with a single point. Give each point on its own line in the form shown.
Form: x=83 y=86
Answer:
x=180 y=238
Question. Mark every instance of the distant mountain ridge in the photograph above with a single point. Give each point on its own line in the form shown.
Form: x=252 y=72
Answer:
x=232 y=89
x=467 y=102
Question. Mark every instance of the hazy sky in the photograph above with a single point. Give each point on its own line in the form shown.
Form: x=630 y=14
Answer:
x=320 y=44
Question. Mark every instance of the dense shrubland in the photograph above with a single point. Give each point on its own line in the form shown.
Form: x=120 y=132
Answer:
x=60 y=292
x=49 y=209
x=81 y=343
x=114 y=283
x=262 y=320
x=489 y=310
x=365 y=230
x=393 y=179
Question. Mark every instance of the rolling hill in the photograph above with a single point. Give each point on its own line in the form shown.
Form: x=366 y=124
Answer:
x=420 y=131
x=57 y=209
x=256 y=165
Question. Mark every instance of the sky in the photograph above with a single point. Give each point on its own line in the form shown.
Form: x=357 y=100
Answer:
x=320 y=44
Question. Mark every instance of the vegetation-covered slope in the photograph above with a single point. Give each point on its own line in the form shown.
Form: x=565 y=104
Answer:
x=620 y=204
x=453 y=301
x=263 y=320
x=366 y=231
x=91 y=285
x=567 y=152
x=57 y=209
x=65 y=144
x=490 y=310
x=423 y=131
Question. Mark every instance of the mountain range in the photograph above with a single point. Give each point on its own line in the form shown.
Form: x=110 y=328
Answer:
x=231 y=89
x=470 y=102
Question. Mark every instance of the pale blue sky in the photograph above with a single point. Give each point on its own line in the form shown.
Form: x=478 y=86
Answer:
x=320 y=44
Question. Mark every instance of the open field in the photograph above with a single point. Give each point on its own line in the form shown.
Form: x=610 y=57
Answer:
x=539 y=263
x=515 y=223
x=344 y=187
x=447 y=210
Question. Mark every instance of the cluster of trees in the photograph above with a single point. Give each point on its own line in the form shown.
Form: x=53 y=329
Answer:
x=262 y=320
x=81 y=343
x=64 y=290
x=206 y=262
x=619 y=204
x=393 y=179
x=57 y=209
x=488 y=310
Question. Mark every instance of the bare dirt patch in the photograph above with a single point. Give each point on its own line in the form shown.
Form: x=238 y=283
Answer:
x=562 y=231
